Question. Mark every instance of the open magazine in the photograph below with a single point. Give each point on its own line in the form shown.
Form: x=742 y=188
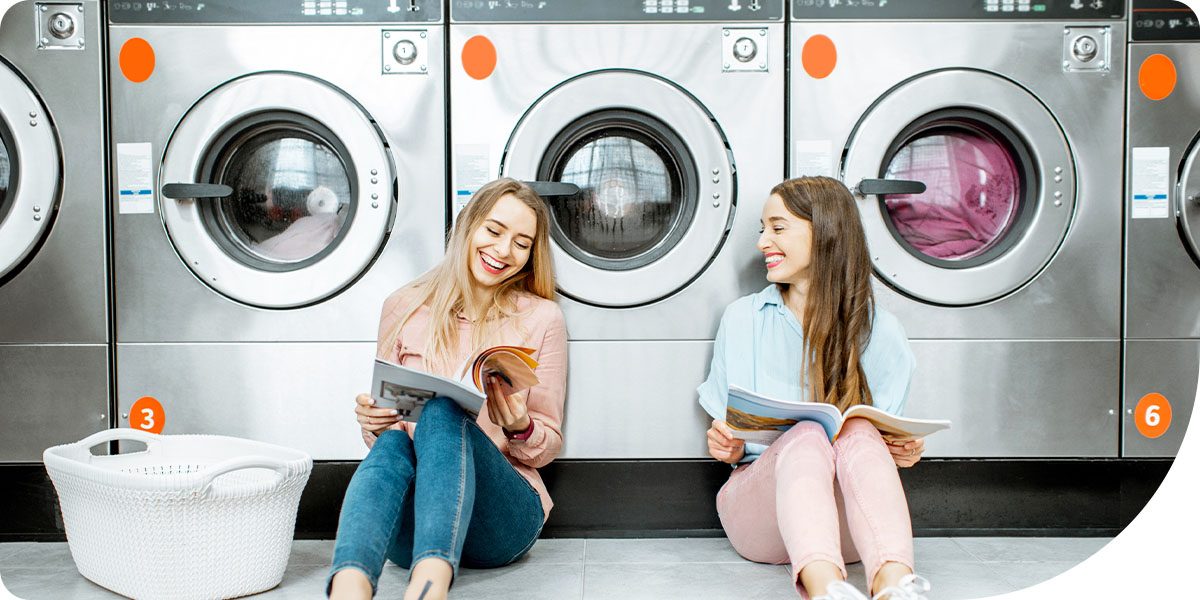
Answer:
x=761 y=419
x=407 y=390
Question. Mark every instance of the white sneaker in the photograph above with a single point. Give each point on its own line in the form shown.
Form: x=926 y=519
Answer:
x=840 y=590
x=911 y=587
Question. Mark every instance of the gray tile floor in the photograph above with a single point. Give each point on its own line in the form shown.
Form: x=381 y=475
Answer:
x=659 y=569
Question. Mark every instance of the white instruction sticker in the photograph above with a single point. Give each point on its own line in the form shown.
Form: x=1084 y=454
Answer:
x=1150 y=183
x=812 y=157
x=135 y=179
x=472 y=169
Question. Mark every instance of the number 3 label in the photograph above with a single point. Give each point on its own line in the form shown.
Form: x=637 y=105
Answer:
x=147 y=415
x=1152 y=415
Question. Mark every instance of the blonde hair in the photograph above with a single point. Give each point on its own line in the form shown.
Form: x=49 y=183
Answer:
x=444 y=289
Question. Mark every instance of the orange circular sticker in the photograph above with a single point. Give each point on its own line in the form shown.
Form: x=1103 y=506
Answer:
x=1157 y=77
x=136 y=60
x=1152 y=415
x=147 y=414
x=479 y=57
x=819 y=56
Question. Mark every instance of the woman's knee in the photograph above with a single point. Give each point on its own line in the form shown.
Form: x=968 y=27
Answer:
x=391 y=445
x=438 y=412
x=803 y=436
x=858 y=428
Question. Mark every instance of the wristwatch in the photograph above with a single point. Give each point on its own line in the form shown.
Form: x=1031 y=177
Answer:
x=519 y=435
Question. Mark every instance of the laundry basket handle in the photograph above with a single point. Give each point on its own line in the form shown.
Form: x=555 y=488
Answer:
x=116 y=434
x=282 y=467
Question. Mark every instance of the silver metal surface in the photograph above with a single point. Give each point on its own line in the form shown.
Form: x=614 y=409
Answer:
x=1087 y=49
x=1162 y=281
x=62 y=25
x=740 y=49
x=1010 y=398
x=53 y=328
x=51 y=394
x=635 y=400
x=404 y=51
x=1166 y=367
x=299 y=395
x=1041 y=335
x=210 y=359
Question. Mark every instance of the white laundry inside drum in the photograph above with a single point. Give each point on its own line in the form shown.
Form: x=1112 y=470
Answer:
x=972 y=196
x=290 y=198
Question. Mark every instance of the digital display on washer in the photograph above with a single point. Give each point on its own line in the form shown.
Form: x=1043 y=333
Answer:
x=1040 y=10
x=1162 y=20
x=614 y=11
x=171 y=12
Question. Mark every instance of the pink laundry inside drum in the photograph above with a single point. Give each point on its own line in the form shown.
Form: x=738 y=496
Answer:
x=970 y=199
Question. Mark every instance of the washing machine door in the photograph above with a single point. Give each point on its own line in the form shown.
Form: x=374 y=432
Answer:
x=30 y=172
x=1189 y=201
x=637 y=147
x=1000 y=186
x=277 y=190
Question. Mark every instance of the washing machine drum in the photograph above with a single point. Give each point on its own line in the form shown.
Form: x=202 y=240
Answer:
x=262 y=181
x=30 y=172
x=655 y=184
x=999 y=186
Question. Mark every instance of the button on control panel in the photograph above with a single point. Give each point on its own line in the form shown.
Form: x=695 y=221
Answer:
x=405 y=51
x=744 y=49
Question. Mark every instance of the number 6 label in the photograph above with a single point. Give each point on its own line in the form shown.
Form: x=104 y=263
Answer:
x=1152 y=415
x=147 y=415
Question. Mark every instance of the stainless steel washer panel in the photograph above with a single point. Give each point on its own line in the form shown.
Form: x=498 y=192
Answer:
x=1162 y=286
x=158 y=298
x=61 y=295
x=1167 y=367
x=51 y=394
x=1077 y=295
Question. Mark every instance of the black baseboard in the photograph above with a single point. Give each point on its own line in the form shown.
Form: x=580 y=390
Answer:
x=629 y=499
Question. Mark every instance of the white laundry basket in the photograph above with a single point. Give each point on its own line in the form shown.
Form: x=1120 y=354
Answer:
x=192 y=516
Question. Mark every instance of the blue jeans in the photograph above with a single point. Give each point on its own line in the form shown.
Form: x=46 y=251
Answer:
x=412 y=499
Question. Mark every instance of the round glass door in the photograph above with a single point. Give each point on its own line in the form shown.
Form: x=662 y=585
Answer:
x=999 y=186
x=28 y=203
x=277 y=190
x=292 y=192
x=975 y=170
x=644 y=223
x=634 y=177
x=1189 y=201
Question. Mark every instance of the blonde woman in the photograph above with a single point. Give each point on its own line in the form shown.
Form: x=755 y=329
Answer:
x=814 y=333
x=453 y=489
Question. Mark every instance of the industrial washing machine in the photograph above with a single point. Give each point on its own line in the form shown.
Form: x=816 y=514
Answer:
x=669 y=117
x=1162 y=228
x=280 y=169
x=1004 y=271
x=54 y=331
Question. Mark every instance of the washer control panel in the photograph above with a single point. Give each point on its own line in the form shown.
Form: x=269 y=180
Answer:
x=613 y=11
x=170 y=12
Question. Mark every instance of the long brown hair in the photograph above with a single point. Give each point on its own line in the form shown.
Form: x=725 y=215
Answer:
x=445 y=287
x=840 y=303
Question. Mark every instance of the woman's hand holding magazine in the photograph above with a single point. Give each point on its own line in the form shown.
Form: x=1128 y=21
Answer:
x=407 y=390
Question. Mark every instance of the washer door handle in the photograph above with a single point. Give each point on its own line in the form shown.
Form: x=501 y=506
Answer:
x=188 y=191
x=880 y=187
x=553 y=188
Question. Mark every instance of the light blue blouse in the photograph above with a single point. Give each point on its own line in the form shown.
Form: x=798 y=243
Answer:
x=760 y=347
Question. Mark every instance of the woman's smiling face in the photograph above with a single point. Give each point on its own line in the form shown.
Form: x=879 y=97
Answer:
x=786 y=243
x=501 y=245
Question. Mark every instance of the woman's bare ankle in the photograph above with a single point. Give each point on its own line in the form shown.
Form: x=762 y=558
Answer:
x=429 y=580
x=350 y=584
x=889 y=574
x=817 y=575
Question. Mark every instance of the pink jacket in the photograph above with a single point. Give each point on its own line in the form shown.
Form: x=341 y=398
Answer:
x=539 y=325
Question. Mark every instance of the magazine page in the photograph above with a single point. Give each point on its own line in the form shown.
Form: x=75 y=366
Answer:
x=901 y=426
x=761 y=419
x=407 y=390
x=512 y=364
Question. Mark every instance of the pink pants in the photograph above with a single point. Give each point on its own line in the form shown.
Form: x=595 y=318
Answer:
x=784 y=507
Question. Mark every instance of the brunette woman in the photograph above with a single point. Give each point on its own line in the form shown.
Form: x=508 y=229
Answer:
x=815 y=334
x=453 y=489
